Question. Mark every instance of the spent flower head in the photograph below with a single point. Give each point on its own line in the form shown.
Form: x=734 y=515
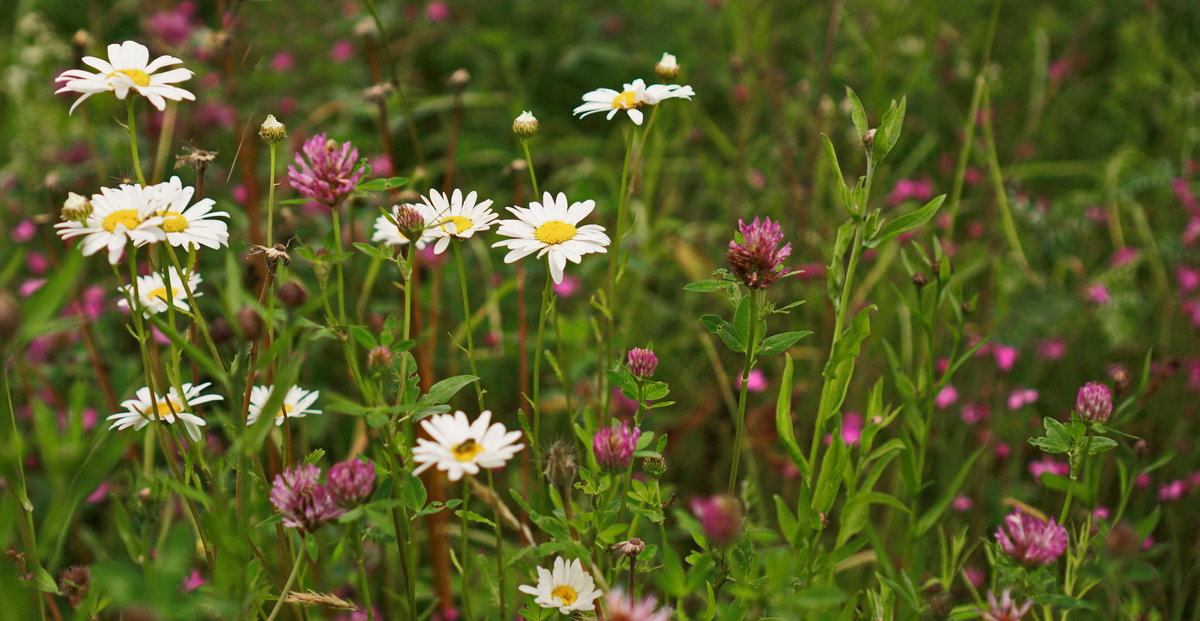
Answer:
x=1094 y=402
x=325 y=171
x=1031 y=540
x=305 y=503
x=755 y=255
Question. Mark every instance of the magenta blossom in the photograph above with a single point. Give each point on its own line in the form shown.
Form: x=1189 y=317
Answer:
x=569 y=286
x=1030 y=540
x=756 y=383
x=945 y=397
x=303 y=501
x=975 y=412
x=1052 y=349
x=1099 y=295
x=1005 y=356
x=1021 y=397
x=911 y=189
x=192 y=581
x=720 y=517
x=1050 y=465
x=1172 y=491
x=351 y=482
x=614 y=446
x=620 y=607
x=325 y=170
x=1094 y=402
x=642 y=362
x=755 y=255
x=1005 y=609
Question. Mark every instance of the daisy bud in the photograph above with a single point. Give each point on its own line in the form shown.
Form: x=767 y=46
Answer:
x=292 y=294
x=525 y=125
x=1030 y=540
x=272 y=131
x=459 y=79
x=654 y=466
x=560 y=464
x=249 y=323
x=73 y=583
x=642 y=362
x=10 y=316
x=614 y=446
x=1094 y=402
x=869 y=138
x=351 y=482
x=76 y=208
x=379 y=359
x=721 y=518
x=667 y=68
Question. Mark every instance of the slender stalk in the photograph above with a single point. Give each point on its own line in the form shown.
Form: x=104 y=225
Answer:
x=614 y=258
x=365 y=584
x=199 y=317
x=131 y=128
x=26 y=524
x=405 y=107
x=273 y=146
x=164 y=142
x=1006 y=218
x=462 y=281
x=465 y=565
x=500 y=546
x=341 y=279
x=537 y=370
x=537 y=195
x=740 y=422
x=287 y=586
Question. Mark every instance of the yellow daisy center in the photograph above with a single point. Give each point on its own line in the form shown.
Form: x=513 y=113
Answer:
x=554 y=232
x=565 y=593
x=160 y=293
x=460 y=224
x=626 y=100
x=163 y=409
x=283 y=412
x=467 y=450
x=128 y=217
x=174 y=222
x=139 y=77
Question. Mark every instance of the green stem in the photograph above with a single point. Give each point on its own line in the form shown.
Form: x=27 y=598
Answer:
x=199 y=317
x=614 y=259
x=1006 y=218
x=529 y=164
x=740 y=421
x=341 y=279
x=362 y=576
x=462 y=281
x=271 y=197
x=500 y=546
x=287 y=586
x=537 y=370
x=465 y=566
x=26 y=526
x=131 y=128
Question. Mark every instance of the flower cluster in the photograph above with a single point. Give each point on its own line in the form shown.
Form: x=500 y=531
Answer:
x=1031 y=540
x=755 y=256
x=303 y=501
x=614 y=446
x=326 y=171
x=1094 y=402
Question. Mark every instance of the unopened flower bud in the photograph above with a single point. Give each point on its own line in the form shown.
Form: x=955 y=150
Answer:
x=654 y=466
x=292 y=294
x=920 y=280
x=642 y=362
x=561 y=466
x=76 y=208
x=272 y=131
x=721 y=518
x=525 y=125
x=869 y=138
x=73 y=583
x=380 y=358
x=409 y=221
x=1094 y=402
x=220 y=330
x=10 y=316
x=249 y=322
x=459 y=79
x=1120 y=378
x=351 y=482
x=667 y=68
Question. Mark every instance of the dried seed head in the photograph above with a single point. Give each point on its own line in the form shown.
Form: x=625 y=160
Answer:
x=459 y=79
x=561 y=466
x=378 y=92
x=380 y=358
x=196 y=159
x=525 y=125
x=920 y=280
x=632 y=547
x=73 y=583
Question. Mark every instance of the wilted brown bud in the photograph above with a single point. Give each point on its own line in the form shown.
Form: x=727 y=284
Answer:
x=1120 y=378
x=249 y=323
x=1123 y=541
x=220 y=330
x=632 y=547
x=81 y=39
x=869 y=138
x=292 y=294
x=920 y=279
x=459 y=79
x=380 y=358
x=10 y=316
x=73 y=583
x=378 y=92
x=1141 y=447
x=560 y=464
x=940 y=606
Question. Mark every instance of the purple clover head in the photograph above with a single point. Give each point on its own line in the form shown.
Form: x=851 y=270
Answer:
x=1094 y=402
x=758 y=260
x=325 y=171
x=1030 y=540
x=720 y=517
x=1006 y=609
x=614 y=446
x=642 y=362
x=303 y=501
x=351 y=482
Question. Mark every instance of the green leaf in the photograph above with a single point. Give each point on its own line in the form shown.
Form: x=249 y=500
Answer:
x=843 y=191
x=890 y=129
x=726 y=331
x=840 y=367
x=935 y=512
x=783 y=418
x=833 y=468
x=384 y=253
x=412 y=492
x=788 y=524
x=381 y=184
x=1100 y=444
x=363 y=336
x=444 y=390
x=818 y=597
x=858 y=114
x=907 y=222
x=704 y=286
x=294 y=201
x=778 y=343
x=45 y=582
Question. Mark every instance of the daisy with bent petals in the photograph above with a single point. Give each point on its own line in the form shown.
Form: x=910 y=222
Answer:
x=551 y=229
x=189 y=226
x=140 y=410
x=297 y=403
x=128 y=213
x=128 y=68
x=634 y=96
x=462 y=447
x=455 y=216
x=568 y=588
x=151 y=294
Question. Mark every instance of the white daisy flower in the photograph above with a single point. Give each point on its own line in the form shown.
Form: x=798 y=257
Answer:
x=297 y=403
x=552 y=229
x=460 y=446
x=128 y=213
x=151 y=292
x=128 y=67
x=568 y=588
x=387 y=232
x=634 y=96
x=455 y=216
x=140 y=410
x=189 y=226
